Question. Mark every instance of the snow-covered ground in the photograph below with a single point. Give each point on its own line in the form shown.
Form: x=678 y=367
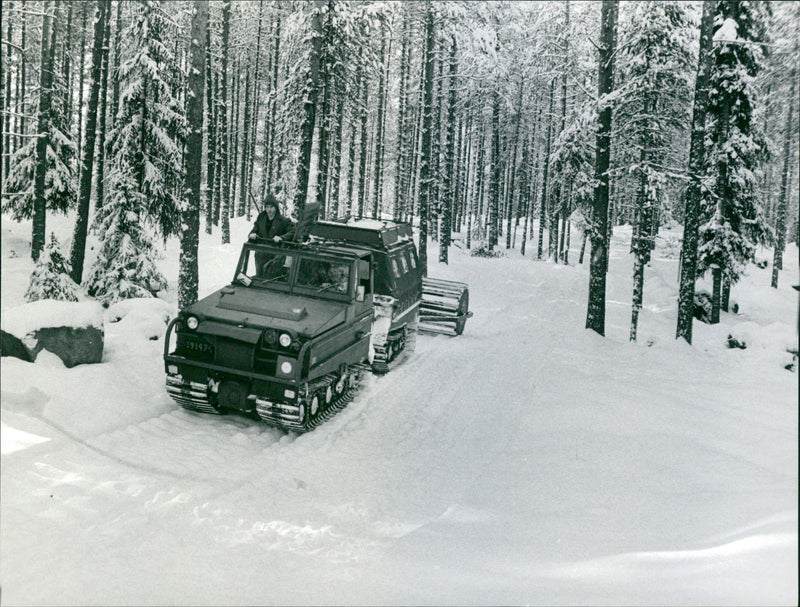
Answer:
x=528 y=461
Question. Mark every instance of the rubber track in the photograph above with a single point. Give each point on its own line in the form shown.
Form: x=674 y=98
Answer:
x=336 y=405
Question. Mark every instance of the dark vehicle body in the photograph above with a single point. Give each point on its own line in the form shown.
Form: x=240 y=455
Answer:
x=288 y=339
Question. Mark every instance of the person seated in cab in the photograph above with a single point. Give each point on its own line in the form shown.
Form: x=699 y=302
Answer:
x=270 y=224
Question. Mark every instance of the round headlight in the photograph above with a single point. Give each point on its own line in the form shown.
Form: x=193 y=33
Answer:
x=192 y=322
x=269 y=336
x=286 y=367
x=285 y=339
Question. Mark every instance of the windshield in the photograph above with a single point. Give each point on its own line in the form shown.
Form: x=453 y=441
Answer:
x=267 y=267
x=320 y=275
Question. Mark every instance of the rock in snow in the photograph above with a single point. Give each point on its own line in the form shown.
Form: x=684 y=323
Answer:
x=30 y=328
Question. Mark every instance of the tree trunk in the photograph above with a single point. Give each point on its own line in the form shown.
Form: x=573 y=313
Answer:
x=272 y=108
x=494 y=196
x=81 y=75
x=188 y=278
x=445 y=225
x=325 y=83
x=43 y=130
x=514 y=146
x=82 y=221
x=115 y=75
x=224 y=167
x=234 y=130
x=377 y=194
x=211 y=146
x=336 y=157
x=725 y=298
x=402 y=170
x=362 y=147
x=716 y=295
x=101 y=131
x=780 y=227
x=245 y=161
x=309 y=111
x=427 y=139
x=696 y=163
x=351 y=156
x=6 y=107
x=543 y=213
x=596 y=310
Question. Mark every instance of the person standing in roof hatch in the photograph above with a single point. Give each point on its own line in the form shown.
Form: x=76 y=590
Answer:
x=270 y=224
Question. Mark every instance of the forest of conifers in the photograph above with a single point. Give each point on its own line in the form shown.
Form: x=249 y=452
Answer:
x=514 y=124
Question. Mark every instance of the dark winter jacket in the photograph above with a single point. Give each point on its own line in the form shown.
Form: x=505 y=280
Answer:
x=279 y=226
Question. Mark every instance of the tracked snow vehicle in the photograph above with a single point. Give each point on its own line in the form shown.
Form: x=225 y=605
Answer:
x=290 y=338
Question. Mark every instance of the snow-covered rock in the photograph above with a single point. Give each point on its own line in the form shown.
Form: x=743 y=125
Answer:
x=71 y=331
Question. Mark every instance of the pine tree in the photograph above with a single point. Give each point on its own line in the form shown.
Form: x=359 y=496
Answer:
x=310 y=101
x=780 y=229
x=596 y=312
x=654 y=62
x=125 y=267
x=427 y=136
x=78 y=251
x=50 y=278
x=734 y=223
x=145 y=166
x=188 y=278
x=693 y=194
x=42 y=174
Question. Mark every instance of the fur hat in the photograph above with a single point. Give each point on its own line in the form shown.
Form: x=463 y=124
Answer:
x=271 y=201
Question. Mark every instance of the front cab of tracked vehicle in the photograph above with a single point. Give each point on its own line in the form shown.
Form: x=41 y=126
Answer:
x=285 y=335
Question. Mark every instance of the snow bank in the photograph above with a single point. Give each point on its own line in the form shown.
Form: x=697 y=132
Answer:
x=27 y=318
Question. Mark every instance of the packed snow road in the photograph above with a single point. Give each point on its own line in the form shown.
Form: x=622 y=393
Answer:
x=527 y=461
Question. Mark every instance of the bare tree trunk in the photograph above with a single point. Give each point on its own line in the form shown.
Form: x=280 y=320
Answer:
x=514 y=146
x=543 y=214
x=377 y=195
x=693 y=191
x=211 y=146
x=427 y=139
x=224 y=167
x=6 y=66
x=716 y=295
x=43 y=129
x=309 y=111
x=362 y=148
x=494 y=196
x=82 y=221
x=326 y=83
x=445 y=225
x=780 y=228
x=101 y=132
x=187 y=289
x=596 y=312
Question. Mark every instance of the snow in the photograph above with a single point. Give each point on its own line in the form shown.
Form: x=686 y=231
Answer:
x=529 y=461
x=29 y=317
x=727 y=32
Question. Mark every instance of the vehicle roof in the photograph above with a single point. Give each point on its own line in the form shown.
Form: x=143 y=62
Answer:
x=311 y=248
x=371 y=233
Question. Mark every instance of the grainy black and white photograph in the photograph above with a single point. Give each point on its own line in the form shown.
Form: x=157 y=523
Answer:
x=329 y=302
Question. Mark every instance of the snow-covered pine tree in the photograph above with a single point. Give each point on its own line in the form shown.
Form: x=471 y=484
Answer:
x=654 y=72
x=145 y=171
x=50 y=278
x=150 y=124
x=58 y=185
x=734 y=224
x=694 y=190
x=596 y=309
x=125 y=266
